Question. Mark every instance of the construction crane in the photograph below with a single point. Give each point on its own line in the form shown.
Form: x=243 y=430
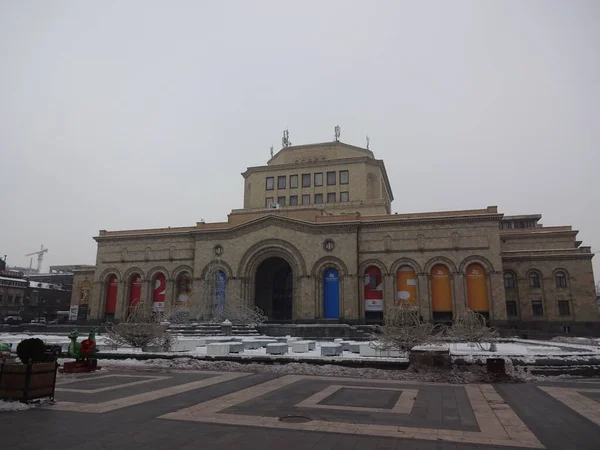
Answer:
x=40 y=257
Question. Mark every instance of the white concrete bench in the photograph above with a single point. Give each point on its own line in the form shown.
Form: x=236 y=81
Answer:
x=218 y=349
x=300 y=346
x=236 y=347
x=331 y=349
x=217 y=340
x=354 y=347
x=346 y=345
x=265 y=342
x=252 y=345
x=277 y=349
x=368 y=349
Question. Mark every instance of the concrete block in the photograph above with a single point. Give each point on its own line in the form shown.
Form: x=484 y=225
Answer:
x=218 y=349
x=277 y=348
x=355 y=347
x=265 y=342
x=331 y=349
x=338 y=341
x=185 y=346
x=217 y=340
x=252 y=345
x=236 y=347
x=300 y=346
x=346 y=345
x=372 y=350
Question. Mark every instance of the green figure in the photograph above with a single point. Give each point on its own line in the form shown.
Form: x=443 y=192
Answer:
x=74 y=347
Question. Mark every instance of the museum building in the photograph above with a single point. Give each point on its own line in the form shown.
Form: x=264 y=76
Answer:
x=316 y=241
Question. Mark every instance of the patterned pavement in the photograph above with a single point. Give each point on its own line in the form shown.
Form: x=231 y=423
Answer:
x=119 y=409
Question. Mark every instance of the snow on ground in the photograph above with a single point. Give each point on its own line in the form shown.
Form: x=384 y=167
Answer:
x=6 y=406
x=530 y=350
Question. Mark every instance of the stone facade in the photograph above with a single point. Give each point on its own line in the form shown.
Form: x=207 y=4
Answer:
x=350 y=239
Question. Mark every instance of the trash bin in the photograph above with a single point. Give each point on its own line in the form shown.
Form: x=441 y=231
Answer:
x=496 y=366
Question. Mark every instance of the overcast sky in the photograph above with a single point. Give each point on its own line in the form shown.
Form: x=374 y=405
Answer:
x=140 y=114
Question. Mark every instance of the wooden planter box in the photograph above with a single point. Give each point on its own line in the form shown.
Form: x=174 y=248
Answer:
x=26 y=382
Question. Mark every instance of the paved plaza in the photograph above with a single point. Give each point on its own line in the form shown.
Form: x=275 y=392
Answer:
x=121 y=409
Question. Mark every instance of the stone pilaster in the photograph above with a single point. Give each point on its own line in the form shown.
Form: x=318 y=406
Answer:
x=423 y=301
x=459 y=300
x=497 y=296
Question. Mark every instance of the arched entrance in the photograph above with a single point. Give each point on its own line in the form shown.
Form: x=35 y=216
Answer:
x=275 y=288
x=331 y=294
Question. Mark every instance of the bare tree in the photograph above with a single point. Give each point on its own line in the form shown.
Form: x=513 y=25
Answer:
x=214 y=305
x=471 y=327
x=143 y=328
x=404 y=329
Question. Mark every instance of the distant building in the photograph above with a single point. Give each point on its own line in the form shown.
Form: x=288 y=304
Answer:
x=316 y=241
x=13 y=288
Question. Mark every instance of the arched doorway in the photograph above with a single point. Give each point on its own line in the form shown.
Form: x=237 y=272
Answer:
x=111 y=297
x=158 y=293
x=331 y=294
x=274 y=288
x=441 y=294
x=406 y=286
x=135 y=291
x=373 y=295
x=477 y=289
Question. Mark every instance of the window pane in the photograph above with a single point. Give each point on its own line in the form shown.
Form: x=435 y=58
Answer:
x=306 y=199
x=268 y=201
x=511 y=309
x=293 y=200
x=281 y=201
x=318 y=199
x=319 y=179
x=281 y=182
x=561 y=280
x=344 y=177
x=270 y=183
x=344 y=197
x=509 y=281
x=537 y=308
x=534 y=280
x=330 y=178
x=306 y=180
x=294 y=181
x=331 y=197
x=563 y=308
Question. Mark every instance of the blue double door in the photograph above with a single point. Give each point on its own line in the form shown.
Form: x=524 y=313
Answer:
x=331 y=294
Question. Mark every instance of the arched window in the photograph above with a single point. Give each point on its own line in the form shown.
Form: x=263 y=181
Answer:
x=561 y=279
x=477 y=289
x=184 y=291
x=441 y=293
x=158 y=293
x=373 y=292
x=534 y=280
x=509 y=281
x=331 y=294
x=406 y=286
x=135 y=290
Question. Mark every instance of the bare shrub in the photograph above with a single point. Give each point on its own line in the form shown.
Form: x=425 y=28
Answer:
x=142 y=328
x=471 y=327
x=403 y=329
x=237 y=312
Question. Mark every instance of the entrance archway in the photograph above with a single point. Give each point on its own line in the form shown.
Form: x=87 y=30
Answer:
x=275 y=288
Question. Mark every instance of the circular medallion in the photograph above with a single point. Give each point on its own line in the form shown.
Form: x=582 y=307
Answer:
x=329 y=245
x=218 y=250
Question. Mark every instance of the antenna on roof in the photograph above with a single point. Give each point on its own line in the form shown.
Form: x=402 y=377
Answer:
x=337 y=131
x=285 y=140
x=368 y=142
x=271 y=151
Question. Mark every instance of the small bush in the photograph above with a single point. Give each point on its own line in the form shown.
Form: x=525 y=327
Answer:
x=31 y=350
